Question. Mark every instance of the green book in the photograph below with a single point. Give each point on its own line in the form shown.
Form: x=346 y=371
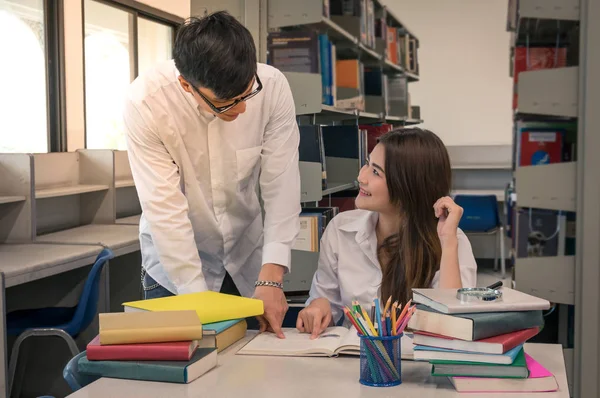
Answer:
x=517 y=370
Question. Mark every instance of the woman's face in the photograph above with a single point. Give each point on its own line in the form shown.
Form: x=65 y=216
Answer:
x=373 y=194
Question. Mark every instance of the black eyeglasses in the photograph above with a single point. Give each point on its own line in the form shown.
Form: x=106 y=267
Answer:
x=221 y=109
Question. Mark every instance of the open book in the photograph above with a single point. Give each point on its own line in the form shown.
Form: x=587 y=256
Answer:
x=332 y=342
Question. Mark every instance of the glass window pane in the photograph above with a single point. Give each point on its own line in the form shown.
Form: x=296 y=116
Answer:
x=108 y=72
x=23 y=125
x=155 y=43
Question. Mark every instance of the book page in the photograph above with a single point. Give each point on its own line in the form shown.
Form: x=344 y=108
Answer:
x=350 y=343
x=295 y=343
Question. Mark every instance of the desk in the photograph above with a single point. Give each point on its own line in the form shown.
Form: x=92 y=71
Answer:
x=22 y=263
x=121 y=239
x=131 y=220
x=266 y=377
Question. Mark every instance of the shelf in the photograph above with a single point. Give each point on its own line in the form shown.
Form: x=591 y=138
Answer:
x=548 y=186
x=393 y=17
x=333 y=187
x=372 y=54
x=558 y=283
x=411 y=77
x=412 y=122
x=22 y=263
x=551 y=92
x=45 y=193
x=388 y=66
x=12 y=199
x=131 y=220
x=289 y=14
x=124 y=183
x=539 y=21
x=390 y=118
x=122 y=239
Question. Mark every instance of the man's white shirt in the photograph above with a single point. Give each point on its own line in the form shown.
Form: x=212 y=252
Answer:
x=196 y=177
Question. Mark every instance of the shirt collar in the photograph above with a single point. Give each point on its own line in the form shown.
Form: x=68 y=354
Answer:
x=192 y=101
x=363 y=225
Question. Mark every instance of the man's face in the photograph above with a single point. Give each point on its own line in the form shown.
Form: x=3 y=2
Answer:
x=229 y=115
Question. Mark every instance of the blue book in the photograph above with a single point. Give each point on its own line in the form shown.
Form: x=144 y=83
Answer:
x=218 y=327
x=203 y=360
x=424 y=353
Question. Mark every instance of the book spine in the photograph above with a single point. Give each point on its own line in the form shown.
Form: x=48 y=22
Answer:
x=153 y=335
x=133 y=371
x=505 y=322
x=123 y=353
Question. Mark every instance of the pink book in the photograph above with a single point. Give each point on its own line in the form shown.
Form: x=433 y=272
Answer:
x=539 y=380
x=170 y=351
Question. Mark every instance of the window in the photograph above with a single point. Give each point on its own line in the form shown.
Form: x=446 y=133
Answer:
x=119 y=44
x=155 y=43
x=23 y=79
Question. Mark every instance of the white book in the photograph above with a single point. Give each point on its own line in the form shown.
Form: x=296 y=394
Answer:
x=331 y=343
x=446 y=302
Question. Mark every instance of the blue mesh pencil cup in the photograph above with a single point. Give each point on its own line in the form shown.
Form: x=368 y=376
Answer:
x=380 y=364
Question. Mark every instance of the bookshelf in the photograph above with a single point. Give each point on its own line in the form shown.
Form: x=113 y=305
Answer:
x=350 y=40
x=566 y=91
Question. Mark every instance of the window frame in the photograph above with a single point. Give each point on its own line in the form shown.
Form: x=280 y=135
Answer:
x=137 y=10
x=56 y=113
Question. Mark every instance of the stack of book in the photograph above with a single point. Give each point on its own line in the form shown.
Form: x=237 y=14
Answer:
x=479 y=346
x=173 y=339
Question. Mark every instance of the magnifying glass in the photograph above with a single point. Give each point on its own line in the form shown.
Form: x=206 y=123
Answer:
x=474 y=294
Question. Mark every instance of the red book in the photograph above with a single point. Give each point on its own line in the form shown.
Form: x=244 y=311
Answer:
x=492 y=345
x=540 y=147
x=171 y=351
x=536 y=58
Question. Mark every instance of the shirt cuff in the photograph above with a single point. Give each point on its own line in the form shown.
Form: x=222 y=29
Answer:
x=195 y=286
x=277 y=253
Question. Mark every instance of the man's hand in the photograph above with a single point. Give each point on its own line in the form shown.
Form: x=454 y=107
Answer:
x=273 y=298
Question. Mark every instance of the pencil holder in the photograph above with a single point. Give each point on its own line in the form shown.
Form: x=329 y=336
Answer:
x=380 y=364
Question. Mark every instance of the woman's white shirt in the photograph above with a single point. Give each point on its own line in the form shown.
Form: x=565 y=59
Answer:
x=349 y=268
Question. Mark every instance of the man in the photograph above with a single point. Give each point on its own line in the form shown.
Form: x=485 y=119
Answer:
x=202 y=131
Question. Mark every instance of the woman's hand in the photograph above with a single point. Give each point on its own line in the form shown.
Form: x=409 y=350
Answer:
x=448 y=214
x=315 y=318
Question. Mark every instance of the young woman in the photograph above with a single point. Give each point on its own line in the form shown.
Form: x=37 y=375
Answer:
x=404 y=233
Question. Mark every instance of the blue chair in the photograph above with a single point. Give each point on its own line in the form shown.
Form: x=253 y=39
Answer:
x=481 y=216
x=63 y=322
x=71 y=374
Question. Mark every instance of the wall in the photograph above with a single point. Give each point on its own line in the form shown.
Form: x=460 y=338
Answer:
x=465 y=89
x=73 y=32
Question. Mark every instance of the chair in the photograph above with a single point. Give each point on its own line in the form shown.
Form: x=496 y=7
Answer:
x=481 y=216
x=71 y=374
x=63 y=322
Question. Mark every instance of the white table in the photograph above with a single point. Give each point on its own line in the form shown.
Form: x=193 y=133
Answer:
x=266 y=377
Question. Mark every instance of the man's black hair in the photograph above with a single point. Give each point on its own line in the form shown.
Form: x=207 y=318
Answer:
x=216 y=52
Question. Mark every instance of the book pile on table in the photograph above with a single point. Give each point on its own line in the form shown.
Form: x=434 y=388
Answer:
x=480 y=346
x=165 y=340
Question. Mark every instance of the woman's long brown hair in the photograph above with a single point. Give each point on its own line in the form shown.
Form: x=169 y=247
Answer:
x=418 y=173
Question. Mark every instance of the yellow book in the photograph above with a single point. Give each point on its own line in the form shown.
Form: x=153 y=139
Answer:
x=149 y=327
x=210 y=306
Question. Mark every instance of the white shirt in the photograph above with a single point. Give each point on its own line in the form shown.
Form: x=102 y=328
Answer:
x=196 y=177
x=348 y=265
